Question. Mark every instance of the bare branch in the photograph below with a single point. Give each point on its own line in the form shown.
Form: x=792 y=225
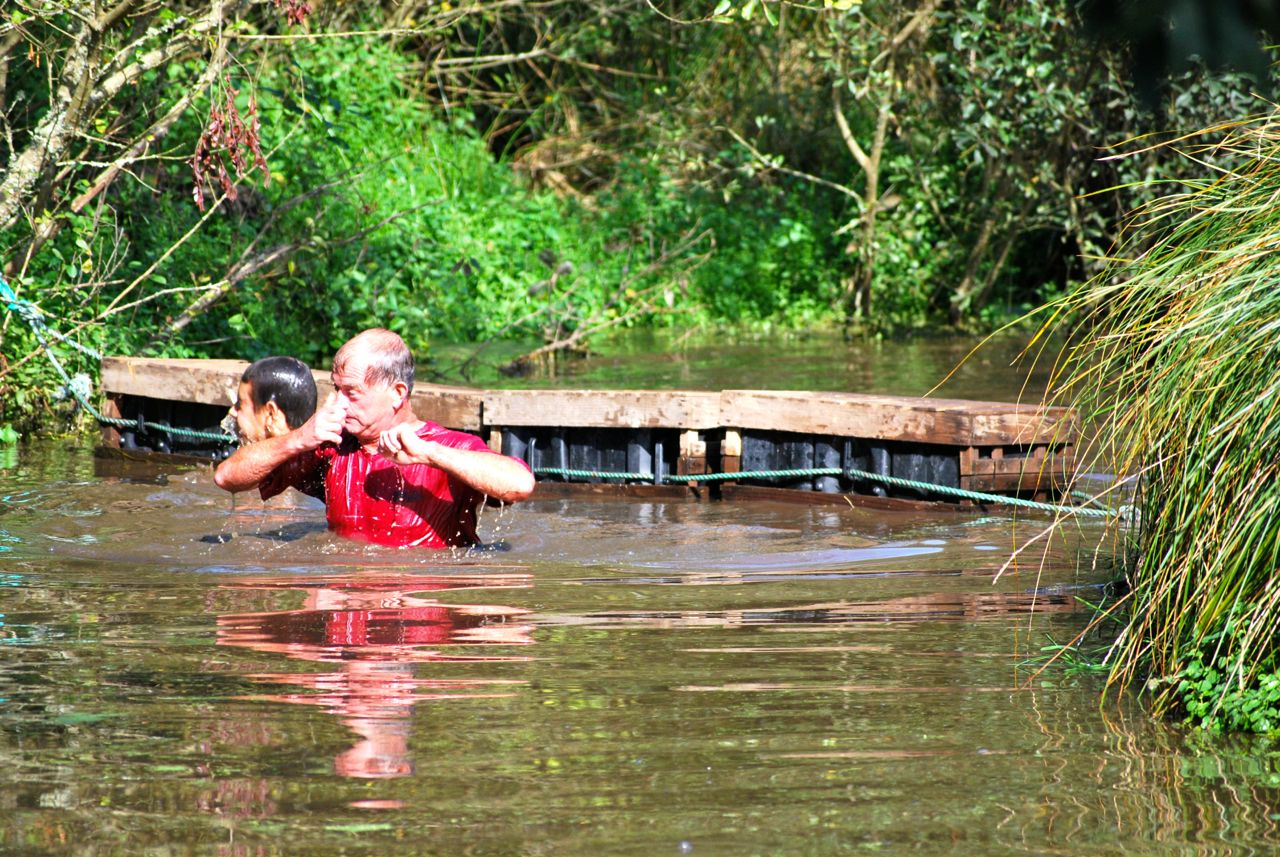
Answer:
x=846 y=133
x=777 y=165
x=82 y=89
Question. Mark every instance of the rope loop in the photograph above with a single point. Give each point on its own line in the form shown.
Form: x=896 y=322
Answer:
x=33 y=316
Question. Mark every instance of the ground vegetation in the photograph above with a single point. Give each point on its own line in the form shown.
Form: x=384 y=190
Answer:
x=243 y=177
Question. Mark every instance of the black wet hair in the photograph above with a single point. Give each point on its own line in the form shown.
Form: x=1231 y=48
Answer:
x=288 y=382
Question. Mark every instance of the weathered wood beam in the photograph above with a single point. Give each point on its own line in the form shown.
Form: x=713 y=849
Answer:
x=602 y=408
x=940 y=421
x=214 y=382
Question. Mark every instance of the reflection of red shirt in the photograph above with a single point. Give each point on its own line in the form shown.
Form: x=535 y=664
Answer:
x=401 y=627
x=370 y=498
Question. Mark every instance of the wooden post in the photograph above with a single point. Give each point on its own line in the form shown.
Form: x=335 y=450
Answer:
x=731 y=452
x=693 y=454
x=968 y=456
x=111 y=434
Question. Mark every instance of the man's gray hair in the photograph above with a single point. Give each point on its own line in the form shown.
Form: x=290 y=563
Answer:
x=390 y=360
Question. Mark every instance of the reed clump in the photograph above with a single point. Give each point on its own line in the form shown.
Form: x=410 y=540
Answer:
x=1177 y=366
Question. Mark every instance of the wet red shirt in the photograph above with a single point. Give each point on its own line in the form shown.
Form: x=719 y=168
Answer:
x=370 y=498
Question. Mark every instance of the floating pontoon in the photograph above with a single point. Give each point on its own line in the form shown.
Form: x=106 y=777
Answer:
x=879 y=451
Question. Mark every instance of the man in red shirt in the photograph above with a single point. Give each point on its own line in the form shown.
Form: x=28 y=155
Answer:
x=385 y=475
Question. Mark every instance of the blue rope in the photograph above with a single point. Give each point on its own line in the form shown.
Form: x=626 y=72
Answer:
x=34 y=318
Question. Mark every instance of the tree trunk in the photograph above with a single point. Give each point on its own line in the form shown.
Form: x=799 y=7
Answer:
x=49 y=141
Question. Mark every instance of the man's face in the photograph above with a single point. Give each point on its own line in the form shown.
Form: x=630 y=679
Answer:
x=371 y=408
x=251 y=422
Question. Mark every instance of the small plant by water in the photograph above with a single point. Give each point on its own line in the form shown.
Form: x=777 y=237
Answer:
x=1211 y=698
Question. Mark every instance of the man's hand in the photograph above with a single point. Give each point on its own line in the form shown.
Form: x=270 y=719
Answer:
x=496 y=476
x=402 y=445
x=325 y=425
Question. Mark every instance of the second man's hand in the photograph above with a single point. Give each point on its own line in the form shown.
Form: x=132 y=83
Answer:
x=251 y=463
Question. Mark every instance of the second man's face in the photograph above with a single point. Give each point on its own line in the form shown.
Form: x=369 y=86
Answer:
x=253 y=423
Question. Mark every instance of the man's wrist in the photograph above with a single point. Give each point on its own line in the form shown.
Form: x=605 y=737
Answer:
x=430 y=453
x=299 y=441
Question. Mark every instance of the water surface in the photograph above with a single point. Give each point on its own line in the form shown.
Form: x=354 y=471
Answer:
x=184 y=673
x=1005 y=368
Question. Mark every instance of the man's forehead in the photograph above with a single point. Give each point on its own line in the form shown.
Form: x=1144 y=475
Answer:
x=352 y=370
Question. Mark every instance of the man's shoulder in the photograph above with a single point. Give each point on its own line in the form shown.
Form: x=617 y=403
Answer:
x=449 y=437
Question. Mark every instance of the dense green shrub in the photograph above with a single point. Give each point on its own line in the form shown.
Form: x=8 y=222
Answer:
x=1212 y=699
x=637 y=170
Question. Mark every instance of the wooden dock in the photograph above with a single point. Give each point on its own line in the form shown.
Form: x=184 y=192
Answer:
x=657 y=437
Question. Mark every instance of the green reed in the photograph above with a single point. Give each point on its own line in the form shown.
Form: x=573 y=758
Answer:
x=1176 y=363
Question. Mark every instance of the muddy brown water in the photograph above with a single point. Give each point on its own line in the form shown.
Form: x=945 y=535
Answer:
x=181 y=673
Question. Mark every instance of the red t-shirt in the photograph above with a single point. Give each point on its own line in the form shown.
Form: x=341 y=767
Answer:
x=370 y=498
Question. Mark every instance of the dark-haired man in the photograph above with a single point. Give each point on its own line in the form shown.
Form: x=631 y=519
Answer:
x=276 y=395
x=385 y=475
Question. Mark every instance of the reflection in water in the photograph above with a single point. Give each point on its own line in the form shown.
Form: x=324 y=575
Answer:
x=917 y=608
x=377 y=627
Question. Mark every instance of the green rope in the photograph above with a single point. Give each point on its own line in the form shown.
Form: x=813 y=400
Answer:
x=590 y=474
x=760 y=474
x=848 y=473
x=142 y=425
x=33 y=315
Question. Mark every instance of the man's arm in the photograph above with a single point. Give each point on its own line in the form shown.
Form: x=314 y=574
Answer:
x=499 y=476
x=252 y=463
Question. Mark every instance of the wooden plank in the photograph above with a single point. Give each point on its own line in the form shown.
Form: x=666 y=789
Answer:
x=602 y=408
x=452 y=407
x=1046 y=473
x=731 y=452
x=558 y=490
x=208 y=382
x=214 y=382
x=733 y=492
x=999 y=465
x=693 y=454
x=939 y=421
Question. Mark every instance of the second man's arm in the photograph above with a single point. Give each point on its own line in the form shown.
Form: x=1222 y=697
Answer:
x=252 y=463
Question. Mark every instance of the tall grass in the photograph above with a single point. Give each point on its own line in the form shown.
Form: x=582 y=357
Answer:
x=1177 y=365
